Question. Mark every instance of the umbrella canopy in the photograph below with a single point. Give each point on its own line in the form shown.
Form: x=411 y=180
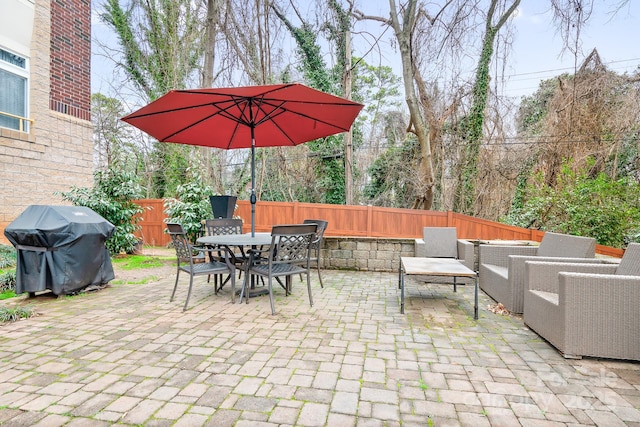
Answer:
x=245 y=117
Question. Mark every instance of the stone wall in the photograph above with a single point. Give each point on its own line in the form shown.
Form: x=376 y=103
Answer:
x=365 y=253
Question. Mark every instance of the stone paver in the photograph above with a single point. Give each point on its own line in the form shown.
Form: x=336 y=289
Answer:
x=126 y=355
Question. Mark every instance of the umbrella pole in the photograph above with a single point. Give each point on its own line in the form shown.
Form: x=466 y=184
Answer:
x=252 y=198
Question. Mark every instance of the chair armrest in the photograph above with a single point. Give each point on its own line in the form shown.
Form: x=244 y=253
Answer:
x=602 y=315
x=517 y=274
x=499 y=254
x=543 y=275
x=228 y=253
x=256 y=251
x=466 y=253
x=212 y=248
x=601 y=289
x=257 y=256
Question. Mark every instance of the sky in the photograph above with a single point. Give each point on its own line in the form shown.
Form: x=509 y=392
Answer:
x=537 y=46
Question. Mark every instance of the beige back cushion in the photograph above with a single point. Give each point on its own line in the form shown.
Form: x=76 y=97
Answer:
x=630 y=263
x=440 y=242
x=565 y=245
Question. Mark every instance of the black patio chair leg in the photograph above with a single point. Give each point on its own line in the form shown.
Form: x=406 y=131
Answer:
x=233 y=288
x=225 y=281
x=186 y=304
x=273 y=307
x=175 y=286
x=309 y=288
x=287 y=286
x=320 y=276
x=245 y=288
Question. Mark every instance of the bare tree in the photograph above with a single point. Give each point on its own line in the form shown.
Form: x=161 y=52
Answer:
x=465 y=198
x=341 y=33
x=590 y=117
x=427 y=114
x=161 y=47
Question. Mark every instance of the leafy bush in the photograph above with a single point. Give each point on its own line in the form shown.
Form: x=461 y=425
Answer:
x=8 y=281
x=111 y=197
x=190 y=207
x=11 y=314
x=599 y=207
x=7 y=278
x=7 y=256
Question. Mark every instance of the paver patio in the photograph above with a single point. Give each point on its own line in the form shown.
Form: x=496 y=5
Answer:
x=125 y=355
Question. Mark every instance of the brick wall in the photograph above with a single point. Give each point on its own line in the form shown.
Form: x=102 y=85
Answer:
x=71 y=58
x=58 y=152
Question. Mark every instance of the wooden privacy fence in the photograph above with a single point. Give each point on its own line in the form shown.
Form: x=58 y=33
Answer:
x=352 y=221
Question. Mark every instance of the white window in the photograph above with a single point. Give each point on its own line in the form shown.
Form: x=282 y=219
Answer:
x=14 y=80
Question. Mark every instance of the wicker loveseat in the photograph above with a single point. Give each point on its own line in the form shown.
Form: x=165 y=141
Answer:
x=502 y=267
x=587 y=309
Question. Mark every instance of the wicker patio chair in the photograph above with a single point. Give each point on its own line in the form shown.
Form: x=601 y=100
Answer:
x=443 y=242
x=502 y=267
x=587 y=309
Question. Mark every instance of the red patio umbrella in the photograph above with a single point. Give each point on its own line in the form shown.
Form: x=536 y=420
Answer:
x=245 y=117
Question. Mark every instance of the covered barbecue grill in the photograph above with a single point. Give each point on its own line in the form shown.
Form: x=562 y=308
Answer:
x=61 y=248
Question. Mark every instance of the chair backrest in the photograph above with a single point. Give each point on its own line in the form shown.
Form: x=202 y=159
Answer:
x=630 y=262
x=180 y=242
x=221 y=226
x=440 y=242
x=565 y=245
x=291 y=243
x=322 y=226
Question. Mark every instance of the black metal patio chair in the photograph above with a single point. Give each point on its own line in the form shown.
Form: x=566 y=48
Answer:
x=185 y=253
x=289 y=254
x=316 y=244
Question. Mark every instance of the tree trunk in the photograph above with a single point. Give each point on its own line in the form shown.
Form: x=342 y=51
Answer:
x=465 y=196
x=417 y=124
x=348 y=137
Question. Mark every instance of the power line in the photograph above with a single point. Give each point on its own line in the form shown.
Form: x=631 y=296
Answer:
x=569 y=68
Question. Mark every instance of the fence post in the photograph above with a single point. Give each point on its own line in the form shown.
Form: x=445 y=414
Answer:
x=449 y=218
x=295 y=219
x=369 y=220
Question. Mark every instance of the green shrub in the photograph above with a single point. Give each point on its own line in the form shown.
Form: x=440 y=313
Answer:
x=11 y=314
x=8 y=272
x=190 y=207
x=595 y=206
x=111 y=197
x=7 y=256
x=8 y=281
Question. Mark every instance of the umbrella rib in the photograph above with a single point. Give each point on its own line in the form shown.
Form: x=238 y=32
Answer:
x=277 y=110
x=224 y=93
x=284 y=109
x=221 y=111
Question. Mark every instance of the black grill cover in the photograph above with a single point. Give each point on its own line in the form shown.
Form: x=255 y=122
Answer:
x=61 y=248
